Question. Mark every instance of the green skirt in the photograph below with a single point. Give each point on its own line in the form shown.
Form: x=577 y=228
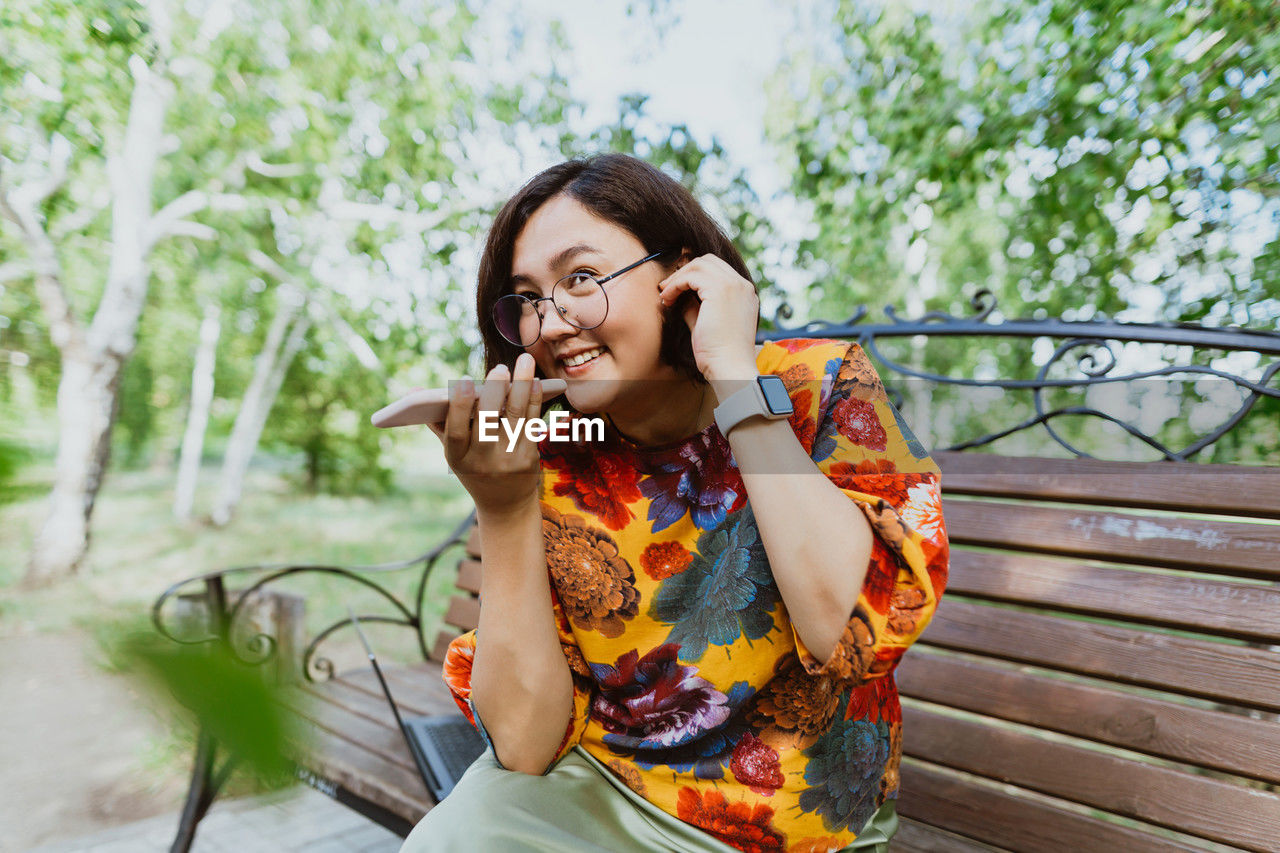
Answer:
x=568 y=809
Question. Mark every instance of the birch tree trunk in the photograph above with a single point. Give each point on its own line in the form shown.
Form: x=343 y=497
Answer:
x=285 y=338
x=87 y=393
x=198 y=414
x=93 y=359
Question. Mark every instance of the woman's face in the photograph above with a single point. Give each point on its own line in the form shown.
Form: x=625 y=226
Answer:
x=563 y=237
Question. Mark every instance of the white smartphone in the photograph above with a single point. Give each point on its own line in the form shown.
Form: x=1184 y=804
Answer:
x=431 y=405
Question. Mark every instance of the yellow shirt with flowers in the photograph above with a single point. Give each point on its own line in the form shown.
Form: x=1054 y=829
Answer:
x=690 y=683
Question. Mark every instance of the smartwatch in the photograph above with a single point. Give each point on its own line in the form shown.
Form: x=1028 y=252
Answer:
x=766 y=397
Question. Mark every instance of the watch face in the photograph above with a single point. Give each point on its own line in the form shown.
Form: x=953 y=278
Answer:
x=775 y=395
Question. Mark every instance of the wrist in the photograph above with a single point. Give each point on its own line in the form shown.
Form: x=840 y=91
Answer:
x=508 y=510
x=725 y=379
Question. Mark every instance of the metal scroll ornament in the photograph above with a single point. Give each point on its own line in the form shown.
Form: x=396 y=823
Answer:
x=1086 y=357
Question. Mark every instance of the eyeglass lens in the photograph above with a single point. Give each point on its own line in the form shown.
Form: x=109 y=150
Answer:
x=579 y=299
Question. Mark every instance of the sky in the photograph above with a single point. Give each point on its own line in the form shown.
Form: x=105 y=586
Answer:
x=707 y=71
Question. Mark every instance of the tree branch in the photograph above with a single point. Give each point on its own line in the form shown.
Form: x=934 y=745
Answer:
x=385 y=214
x=168 y=221
x=81 y=217
x=320 y=307
x=35 y=193
x=255 y=163
x=267 y=264
x=64 y=326
x=14 y=270
x=195 y=230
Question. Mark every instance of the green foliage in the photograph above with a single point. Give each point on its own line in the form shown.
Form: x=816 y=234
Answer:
x=230 y=701
x=135 y=418
x=12 y=457
x=1076 y=159
x=1079 y=157
x=706 y=170
x=323 y=413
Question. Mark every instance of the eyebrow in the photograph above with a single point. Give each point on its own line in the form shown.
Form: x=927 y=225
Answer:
x=561 y=258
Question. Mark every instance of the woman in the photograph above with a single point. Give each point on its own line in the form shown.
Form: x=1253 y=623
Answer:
x=688 y=628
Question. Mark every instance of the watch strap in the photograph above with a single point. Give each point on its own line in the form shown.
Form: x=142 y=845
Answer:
x=747 y=402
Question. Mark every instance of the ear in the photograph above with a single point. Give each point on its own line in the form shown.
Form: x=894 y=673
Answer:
x=686 y=255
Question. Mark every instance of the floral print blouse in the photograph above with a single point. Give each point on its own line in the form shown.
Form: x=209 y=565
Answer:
x=690 y=683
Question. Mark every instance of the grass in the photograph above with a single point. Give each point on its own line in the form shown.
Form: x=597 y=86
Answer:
x=138 y=550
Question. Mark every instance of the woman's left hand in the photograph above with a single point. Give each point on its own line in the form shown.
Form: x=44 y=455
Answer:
x=722 y=320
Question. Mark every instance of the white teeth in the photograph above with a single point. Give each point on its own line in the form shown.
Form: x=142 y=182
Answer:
x=583 y=358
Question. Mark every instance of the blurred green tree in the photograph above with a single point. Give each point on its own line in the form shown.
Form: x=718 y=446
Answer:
x=1078 y=159
x=706 y=169
x=151 y=151
x=1075 y=157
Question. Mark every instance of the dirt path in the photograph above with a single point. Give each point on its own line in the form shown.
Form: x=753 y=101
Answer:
x=73 y=745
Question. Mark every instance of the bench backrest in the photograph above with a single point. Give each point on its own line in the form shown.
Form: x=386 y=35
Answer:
x=1104 y=671
x=462 y=613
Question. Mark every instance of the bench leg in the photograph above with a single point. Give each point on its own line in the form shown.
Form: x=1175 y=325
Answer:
x=205 y=784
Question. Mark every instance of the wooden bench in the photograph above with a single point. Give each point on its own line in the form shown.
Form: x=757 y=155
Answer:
x=1103 y=673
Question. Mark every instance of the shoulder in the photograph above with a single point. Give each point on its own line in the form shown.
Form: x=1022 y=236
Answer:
x=820 y=355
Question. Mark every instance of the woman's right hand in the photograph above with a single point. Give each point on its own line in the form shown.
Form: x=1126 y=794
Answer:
x=498 y=479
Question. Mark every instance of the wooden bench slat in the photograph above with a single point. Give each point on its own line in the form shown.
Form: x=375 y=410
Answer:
x=423 y=688
x=354 y=777
x=1235 y=674
x=469 y=576
x=332 y=755
x=1219 y=740
x=1020 y=823
x=915 y=837
x=372 y=735
x=441 y=647
x=473 y=541
x=1189 y=486
x=418 y=689
x=1195 y=804
x=1236 y=547
x=463 y=612
x=1226 y=608
x=351 y=699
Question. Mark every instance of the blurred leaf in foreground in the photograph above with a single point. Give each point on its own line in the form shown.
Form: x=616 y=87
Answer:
x=235 y=703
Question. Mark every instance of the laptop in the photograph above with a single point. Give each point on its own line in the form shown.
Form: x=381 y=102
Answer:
x=443 y=747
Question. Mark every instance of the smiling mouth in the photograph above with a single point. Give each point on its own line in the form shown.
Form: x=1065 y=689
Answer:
x=583 y=358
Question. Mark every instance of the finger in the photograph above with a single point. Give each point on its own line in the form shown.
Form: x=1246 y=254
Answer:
x=494 y=392
x=533 y=409
x=457 y=424
x=690 y=313
x=671 y=289
x=518 y=396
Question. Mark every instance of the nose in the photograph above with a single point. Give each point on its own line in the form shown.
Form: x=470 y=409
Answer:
x=555 y=327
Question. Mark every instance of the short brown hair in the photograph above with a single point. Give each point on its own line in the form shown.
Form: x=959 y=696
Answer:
x=630 y=193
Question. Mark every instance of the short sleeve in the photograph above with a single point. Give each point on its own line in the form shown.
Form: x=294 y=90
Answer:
x=859 y=441
x=457 y=677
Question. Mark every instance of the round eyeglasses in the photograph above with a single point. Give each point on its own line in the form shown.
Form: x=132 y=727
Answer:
x=580 y=300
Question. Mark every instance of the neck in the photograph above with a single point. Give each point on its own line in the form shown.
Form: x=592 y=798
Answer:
x=688 y=410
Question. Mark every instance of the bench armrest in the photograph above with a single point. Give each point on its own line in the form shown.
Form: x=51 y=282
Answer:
x=221 y=612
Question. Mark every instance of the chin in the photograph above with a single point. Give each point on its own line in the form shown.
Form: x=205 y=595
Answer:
x=590 y=396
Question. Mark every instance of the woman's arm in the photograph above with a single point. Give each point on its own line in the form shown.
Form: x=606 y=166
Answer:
x=818 y=536
x=818 y=541
x=520 y=683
